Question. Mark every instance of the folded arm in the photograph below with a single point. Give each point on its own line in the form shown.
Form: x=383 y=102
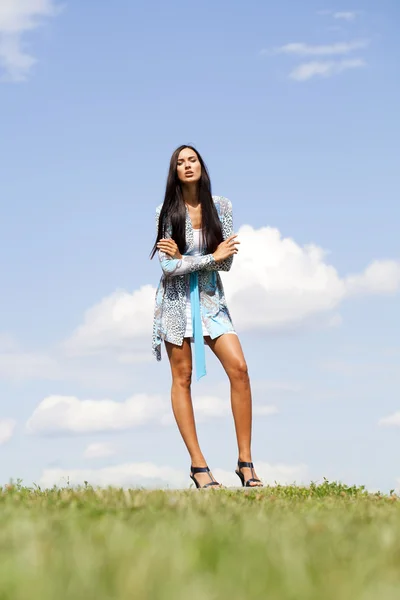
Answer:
x=187 y=264
x=226 y=218
x=172 y=267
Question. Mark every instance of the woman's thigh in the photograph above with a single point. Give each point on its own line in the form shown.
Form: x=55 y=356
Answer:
x=228 y=349
x=180 y=358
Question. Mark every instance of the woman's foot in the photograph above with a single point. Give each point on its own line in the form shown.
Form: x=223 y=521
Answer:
x=246 y=472
x=203 y=478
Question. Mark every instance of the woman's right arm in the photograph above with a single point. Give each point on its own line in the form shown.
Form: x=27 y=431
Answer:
x=172 y=267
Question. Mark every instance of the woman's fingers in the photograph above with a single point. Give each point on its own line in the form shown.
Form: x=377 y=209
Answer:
x=166 y=243
x=168 y=246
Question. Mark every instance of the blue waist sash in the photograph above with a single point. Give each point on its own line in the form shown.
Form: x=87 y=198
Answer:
x=199 y=351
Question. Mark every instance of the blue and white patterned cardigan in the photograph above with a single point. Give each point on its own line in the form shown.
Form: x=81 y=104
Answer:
x=170 y=301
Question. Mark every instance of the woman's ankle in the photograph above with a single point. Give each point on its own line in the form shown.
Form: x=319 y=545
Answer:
x=198 y=461
x=245 y=457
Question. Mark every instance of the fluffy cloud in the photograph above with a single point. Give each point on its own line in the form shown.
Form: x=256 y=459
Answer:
x=68 y=414
x=380 y=277
x=113 y=323
x=152 y=476
x=6 y=430
x=338 y=48
x=306 y=71
x=283 y=283
x=99 y=450
x=286 y=284
x=16 y=18
x=392 y=420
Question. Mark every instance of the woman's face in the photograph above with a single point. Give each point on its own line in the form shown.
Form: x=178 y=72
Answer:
x=188 y=166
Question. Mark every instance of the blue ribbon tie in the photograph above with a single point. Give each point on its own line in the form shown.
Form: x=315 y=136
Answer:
x=199 y=351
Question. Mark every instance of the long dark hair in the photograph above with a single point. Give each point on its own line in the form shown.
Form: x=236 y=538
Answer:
x=173 y=210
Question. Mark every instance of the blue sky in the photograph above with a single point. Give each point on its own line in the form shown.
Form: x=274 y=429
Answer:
x=294 y=108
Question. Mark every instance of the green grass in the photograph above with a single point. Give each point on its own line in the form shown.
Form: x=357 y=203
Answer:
x=320 y=542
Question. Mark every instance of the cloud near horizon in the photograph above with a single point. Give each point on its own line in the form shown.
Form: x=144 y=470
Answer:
x=7 y=427
x=149 y=475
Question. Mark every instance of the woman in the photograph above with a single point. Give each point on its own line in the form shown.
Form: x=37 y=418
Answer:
x=194 y=241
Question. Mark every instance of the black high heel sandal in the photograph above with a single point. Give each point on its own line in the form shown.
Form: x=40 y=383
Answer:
x=247 y=483
x=195 y=470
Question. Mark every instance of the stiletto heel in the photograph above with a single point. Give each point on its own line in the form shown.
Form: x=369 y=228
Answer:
x=195 y=470
x=247 y=483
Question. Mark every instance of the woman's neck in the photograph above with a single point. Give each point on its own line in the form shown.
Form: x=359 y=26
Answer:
x=190 y=195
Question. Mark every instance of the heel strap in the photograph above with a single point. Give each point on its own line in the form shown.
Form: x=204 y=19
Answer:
x=249 y=465
x=200 y=470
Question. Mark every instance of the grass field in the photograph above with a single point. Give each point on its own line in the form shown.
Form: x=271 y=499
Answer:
x=321 y=542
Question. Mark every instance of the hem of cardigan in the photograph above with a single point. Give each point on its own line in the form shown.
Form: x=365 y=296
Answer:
x=157 y=347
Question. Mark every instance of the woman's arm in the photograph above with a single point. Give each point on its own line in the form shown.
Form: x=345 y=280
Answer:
x=172 y=267
x=226 y=218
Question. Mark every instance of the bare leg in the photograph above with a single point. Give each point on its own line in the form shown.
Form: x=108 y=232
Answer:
x=229 y=351
x=180 y=358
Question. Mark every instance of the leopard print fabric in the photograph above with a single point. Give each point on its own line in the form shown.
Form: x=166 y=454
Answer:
x=169 y=322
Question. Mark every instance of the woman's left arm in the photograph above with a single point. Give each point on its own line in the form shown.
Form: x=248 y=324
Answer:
x=226 y=218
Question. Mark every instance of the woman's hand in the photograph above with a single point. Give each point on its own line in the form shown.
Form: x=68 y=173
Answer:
x=169 y=247
x=226 y=248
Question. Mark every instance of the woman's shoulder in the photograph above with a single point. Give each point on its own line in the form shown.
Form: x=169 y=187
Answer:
x=222 y=203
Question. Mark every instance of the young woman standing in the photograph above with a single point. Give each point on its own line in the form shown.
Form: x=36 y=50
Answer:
x=195 y=240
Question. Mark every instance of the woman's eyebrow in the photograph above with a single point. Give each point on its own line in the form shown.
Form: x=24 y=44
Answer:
x=192 y=156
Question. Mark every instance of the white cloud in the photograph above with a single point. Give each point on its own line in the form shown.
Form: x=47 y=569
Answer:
x=380 y=277
x=392 y=420
x=99 y=450
x=212 y=407
x=306 y=71
x=6 y=430
x=113 y=323
x=68 y=414
x=286 y=284
x=339 y=48
x=208 y=407
x=125 y=475
x=16 y=18
x=152 y=476
x=345 y=15
x=270 y=474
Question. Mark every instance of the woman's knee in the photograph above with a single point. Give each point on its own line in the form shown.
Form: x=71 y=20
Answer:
x=238 y=371
x=182 y=375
